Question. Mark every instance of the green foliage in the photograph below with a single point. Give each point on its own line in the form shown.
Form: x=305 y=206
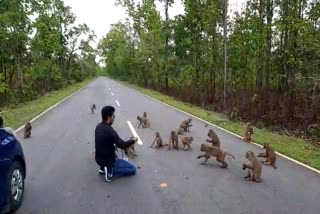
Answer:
x=40 y=49
x=272 y=55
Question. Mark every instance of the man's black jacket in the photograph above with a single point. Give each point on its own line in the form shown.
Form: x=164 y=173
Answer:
x=105 y=138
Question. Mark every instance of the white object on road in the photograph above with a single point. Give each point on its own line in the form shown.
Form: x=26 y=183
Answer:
x=118 y=103
x=134 y=133
x=109 y=89
x=111 y=93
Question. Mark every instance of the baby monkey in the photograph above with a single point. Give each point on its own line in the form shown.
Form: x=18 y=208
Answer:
x=270 y=155
x=186 y=124
x=27 y=130
x=248 y=133
x=214 y=139
x=144 y=121
x=186 y=142
x=158 y=141
x=254 y=165
x=173 y=141
x=93 y=108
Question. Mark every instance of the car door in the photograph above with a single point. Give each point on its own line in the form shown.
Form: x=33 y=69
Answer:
x=7 y=152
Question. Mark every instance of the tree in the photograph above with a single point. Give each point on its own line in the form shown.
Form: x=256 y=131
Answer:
x=272 y=54
x=38 y=49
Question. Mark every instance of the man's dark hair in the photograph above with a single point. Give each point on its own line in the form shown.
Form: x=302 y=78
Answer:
x=1 y=121
x=106 y=112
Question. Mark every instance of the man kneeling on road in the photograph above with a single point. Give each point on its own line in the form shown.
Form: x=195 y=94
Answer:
x=105 y=139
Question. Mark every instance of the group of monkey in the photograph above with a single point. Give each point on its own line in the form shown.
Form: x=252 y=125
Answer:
x=211 y=149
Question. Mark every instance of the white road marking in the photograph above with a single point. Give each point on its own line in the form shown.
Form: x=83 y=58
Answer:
x=236 y=135
x=118 y=103
x=55 y=105
x=109 y=89
x=111 y=93
x=134 y=133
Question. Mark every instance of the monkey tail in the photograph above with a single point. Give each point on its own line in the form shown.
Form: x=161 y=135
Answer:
x=230 y=155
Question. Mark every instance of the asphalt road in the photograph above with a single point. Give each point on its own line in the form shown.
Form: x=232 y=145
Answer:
x=62 y=175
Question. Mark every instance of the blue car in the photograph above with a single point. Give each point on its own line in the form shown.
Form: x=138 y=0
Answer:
x=12 y=172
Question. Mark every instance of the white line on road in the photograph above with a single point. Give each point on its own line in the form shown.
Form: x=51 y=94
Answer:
x=134 y=133
x=118 y=103
x=111 y=93
x=236 y=135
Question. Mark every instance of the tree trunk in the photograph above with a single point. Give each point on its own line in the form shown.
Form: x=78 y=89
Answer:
x=212 y=73
x=269 y=38
x=285 y=44
x=261 y=59
x=166 y=46
x=225 y=53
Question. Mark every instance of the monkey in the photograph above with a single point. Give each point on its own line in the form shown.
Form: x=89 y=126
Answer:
x=144 y=114
x=158 y=141
x=141 y=121
x=27 y=130
x=93 y=107
x=144 y=121
x=174 y=140
x=186 y=142
x=248 y=133
x=130 y=151
x=270 y=155
x=254 y=166
x=245 y=163
x=180 y=131
x=186 y=124
x=213 y=151
x=214 y=139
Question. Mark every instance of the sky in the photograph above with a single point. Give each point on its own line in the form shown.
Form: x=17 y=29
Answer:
x=100 y=14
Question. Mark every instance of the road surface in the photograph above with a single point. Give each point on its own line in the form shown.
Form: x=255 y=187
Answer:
x=63 y=177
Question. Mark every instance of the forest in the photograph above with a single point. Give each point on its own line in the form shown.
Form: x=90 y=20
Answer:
x=41 y=49
x=272 y=53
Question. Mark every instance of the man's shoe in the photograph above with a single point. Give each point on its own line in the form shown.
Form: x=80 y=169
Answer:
x=108 y=174
x=101 y=171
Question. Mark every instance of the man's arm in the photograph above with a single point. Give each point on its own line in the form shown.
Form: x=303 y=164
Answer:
x=121 y=143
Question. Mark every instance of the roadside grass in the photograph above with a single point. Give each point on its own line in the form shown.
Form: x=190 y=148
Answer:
x=18 y=116
x=293 y=147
